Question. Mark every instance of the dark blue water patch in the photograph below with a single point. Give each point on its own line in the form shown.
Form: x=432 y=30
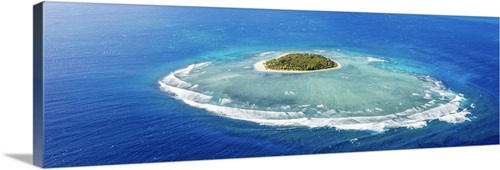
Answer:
x=167 y=135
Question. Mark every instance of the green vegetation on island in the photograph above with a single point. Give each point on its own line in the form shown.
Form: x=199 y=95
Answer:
x=300 y=62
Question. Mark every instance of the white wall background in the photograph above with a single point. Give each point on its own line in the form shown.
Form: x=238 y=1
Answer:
x=16 y=92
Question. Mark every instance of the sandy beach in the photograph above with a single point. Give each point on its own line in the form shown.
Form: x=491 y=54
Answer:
x=259 y=66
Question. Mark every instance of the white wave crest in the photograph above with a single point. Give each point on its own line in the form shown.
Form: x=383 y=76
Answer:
x=289 y=93
x=224 y=101
x=184 y=94
x=188 y=69
x=457 y=117
x=176 y=82
x=245 y=114
x=266 y=53
x=371 y=59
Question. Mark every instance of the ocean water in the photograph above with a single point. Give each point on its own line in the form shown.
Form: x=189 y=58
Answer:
x=131 y=84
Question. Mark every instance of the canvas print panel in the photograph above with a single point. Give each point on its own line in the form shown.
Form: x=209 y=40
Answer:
x=133 y=84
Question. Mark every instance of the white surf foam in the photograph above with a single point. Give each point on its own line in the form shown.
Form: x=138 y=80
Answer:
x=245 y=114
x=188 y=69
x=266 y=53
x=457 y=117
x=319 y=51
x=224 y=101
x=176 y=82
x=184 y=94
x=289 y=93
x=371 y=59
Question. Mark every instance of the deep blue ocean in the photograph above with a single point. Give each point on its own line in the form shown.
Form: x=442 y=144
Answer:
x=102 y=64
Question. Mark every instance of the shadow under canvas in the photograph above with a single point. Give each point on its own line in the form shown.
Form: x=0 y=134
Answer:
x=26 y=158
